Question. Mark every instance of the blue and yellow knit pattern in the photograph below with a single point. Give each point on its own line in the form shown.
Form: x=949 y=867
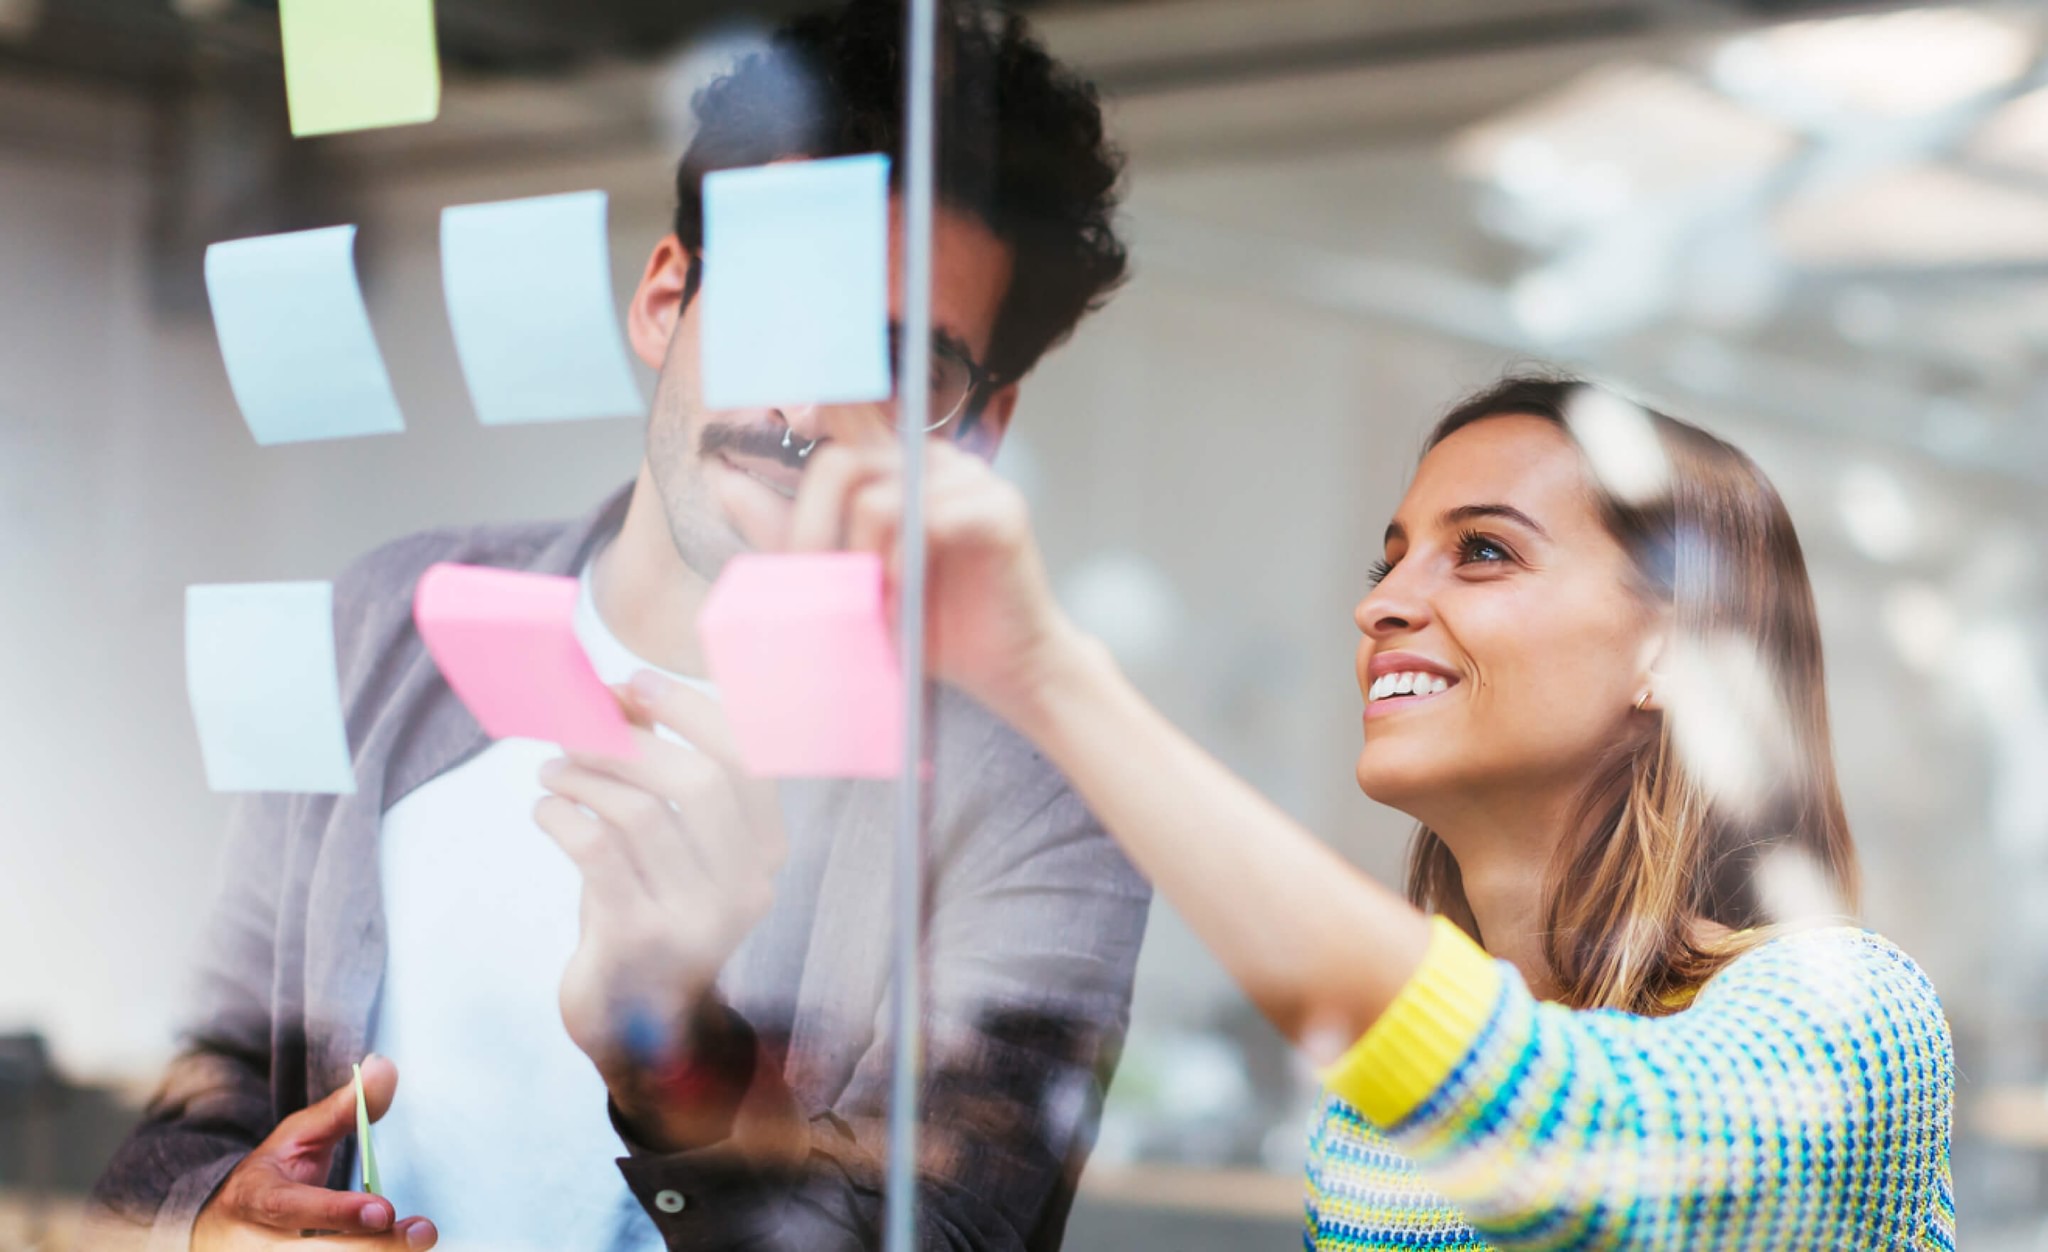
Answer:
x=1804 y=1100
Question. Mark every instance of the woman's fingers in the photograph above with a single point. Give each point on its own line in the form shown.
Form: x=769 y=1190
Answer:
x=818 y=520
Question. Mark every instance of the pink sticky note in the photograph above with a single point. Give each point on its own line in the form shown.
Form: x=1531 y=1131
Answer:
x=801 y=651
x=506 y=642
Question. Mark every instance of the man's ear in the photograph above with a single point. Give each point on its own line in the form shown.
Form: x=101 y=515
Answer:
x=657 y=306
x=986 y=434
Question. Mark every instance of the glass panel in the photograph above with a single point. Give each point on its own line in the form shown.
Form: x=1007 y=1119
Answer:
x=1816 y=237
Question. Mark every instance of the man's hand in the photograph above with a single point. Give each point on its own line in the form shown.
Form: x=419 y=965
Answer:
x=276 y=1194
x=679 y=851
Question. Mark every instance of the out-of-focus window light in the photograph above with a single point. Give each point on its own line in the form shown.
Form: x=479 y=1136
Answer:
x=1891 y=65
x=18 y=18
x=1614 y=139
x=1866 y=315
x=2016 y=136
x=1129 y=603
x=1876 y=512
x=1922 y=624
x=1955 y=427
x=1917 y=215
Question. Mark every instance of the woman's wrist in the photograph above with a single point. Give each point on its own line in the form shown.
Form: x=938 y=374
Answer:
x=1068 y=667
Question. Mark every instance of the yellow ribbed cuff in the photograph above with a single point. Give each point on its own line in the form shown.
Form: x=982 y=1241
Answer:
x=1405 y=1056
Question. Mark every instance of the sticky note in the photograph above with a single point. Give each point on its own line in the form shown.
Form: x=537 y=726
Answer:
x=801 y=651
x=260 y=672
x=359 y=64
x=370 y=1183
x=296 y=337
x=506 y=642
x=796 y=283
x=529 y=288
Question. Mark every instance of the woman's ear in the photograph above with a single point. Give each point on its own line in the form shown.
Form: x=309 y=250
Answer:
x=658 y=307
x=1653 y=658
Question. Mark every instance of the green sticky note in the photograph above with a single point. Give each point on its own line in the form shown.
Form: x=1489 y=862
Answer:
x=359 y=64
x=363 y=1137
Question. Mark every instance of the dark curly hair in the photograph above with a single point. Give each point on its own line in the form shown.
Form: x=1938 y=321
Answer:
x=1020 y=147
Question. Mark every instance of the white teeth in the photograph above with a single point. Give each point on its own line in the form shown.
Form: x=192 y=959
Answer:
x=1410 y=682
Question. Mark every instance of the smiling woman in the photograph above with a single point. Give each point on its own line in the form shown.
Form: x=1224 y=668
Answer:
x=1649 y=877
x=1766 y=1082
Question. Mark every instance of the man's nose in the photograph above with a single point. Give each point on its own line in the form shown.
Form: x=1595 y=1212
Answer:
x=841 y=423
x=806 y=422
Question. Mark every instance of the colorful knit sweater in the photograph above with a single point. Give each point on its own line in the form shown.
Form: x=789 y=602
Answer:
x=1802 y=1101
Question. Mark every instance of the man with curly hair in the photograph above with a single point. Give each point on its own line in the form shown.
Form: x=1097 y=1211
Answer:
x=662 y=1017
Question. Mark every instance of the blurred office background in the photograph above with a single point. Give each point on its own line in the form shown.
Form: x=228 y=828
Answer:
x=1819 y=229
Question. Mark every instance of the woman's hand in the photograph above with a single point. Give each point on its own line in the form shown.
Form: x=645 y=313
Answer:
x=993 y=627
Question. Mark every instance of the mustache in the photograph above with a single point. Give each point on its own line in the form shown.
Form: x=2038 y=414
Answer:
x=766 y=443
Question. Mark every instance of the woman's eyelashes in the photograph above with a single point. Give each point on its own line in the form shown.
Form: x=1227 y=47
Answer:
x=1472 y=549
x=1471 y=543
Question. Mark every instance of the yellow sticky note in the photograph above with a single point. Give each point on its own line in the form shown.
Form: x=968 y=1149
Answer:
x=359 y=64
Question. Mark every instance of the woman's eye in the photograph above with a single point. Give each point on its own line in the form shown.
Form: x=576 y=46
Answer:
x=1480 y=549
x=1380 y=570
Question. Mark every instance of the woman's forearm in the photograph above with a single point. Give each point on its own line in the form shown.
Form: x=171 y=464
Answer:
x=1318 y=947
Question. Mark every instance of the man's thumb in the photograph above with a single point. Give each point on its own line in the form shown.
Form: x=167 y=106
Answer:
x=380 y=1085
x=334 y=1118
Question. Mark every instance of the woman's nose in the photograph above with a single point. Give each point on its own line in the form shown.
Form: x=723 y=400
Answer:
x=1389 y=610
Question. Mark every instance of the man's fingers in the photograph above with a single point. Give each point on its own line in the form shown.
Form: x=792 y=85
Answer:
x=380 y=1085
x=701 y=722
x=413 y=1234
x=633 y=801
x=595 y=848
x=322 y=1125
x=697 y=717
x=289 y=1206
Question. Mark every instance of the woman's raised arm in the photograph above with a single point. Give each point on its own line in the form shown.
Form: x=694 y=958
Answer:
x=1319 y=948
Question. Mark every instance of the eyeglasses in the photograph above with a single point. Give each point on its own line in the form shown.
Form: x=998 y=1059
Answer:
x=959 y=384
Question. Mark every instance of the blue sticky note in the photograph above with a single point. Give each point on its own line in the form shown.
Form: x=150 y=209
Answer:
x=296 y=337
x=796 y=283
x=529 y=287
x=266 y=698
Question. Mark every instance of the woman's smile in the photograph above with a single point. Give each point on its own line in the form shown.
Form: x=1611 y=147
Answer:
x=1399 y=680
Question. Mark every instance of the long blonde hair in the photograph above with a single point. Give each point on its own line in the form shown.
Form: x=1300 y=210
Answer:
x=1654 y=868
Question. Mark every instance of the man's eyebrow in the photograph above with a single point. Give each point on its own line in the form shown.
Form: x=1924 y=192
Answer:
x=942 y=340
x=952 y=343
x=1469 y=512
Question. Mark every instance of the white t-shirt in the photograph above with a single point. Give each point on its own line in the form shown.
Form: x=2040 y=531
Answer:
x=498 y=1132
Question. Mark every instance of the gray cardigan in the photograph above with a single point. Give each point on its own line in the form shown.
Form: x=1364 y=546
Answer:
x=1034 y=927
